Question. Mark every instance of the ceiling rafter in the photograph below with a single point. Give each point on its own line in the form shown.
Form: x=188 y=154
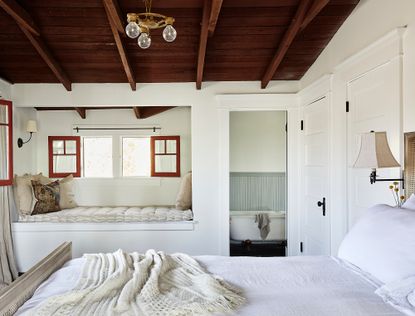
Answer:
x=81 y=112
x=20 y=15
x=120 y=45
x=314 y=10
x=137 y=112
x=148 y=111
x=115 y=13
x=48 y=58
x=29 y=28
x=141 y=112
x=214 y=15
x=285 y=43
x=204 y=33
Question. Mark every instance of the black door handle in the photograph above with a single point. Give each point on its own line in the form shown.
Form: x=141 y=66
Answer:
x=322 y=205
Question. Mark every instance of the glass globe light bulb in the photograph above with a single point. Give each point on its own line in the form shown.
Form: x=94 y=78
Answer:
x=144 y=40
x=132 y=30
x=169 y=33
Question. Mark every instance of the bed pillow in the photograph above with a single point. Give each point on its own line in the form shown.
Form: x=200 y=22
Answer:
x=410 y=203
x=382 y=243
x=67 y=199
x=184 y=197
x=46 y=197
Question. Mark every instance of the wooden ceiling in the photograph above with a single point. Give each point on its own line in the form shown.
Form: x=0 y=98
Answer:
x=80 y=41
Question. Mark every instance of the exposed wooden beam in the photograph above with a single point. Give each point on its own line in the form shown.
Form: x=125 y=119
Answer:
x=214 y=15
x=141 y=112
x=137 y=112
x=149 y=111
x=314 y=10
x=120 y=46
x=47 y=56
x=5 y=78
x=285 y=43
x=81 y=112
x=116 y=14
x=204 y=32
x=20 y=15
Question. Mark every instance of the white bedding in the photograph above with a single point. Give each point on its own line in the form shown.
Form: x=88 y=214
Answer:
x=101 y=214
x=309 y=286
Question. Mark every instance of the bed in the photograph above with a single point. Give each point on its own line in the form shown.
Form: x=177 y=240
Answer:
x=374 y=274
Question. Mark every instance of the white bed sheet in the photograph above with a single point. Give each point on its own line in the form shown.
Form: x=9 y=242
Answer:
x=109 y=214
x=301 y=286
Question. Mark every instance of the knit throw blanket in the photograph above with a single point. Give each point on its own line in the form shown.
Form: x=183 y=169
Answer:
x=144 y=284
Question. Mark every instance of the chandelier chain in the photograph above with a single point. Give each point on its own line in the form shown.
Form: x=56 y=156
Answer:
x=148 y=4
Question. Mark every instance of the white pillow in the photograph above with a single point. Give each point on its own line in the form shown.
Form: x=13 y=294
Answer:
x=382 y=243
x=184 y=196
x=410 y=203
x=67 y=199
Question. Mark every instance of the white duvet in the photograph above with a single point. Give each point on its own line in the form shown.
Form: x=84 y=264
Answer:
x=308 y=286
x=100 y=214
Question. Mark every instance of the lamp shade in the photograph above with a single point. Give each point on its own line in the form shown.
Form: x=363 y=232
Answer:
x=31 y=126
x=375 y=152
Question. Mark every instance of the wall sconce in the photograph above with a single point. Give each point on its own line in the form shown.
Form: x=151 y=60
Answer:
x=31 y=127
x=375 y=153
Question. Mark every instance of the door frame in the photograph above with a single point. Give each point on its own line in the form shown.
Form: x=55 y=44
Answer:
x=260 y=102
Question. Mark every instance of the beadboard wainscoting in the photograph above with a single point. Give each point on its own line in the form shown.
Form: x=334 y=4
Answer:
x=258 y=191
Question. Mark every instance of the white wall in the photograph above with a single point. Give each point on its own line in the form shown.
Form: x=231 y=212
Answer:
x=205 y=122
x=257 y=141
x=371 y=20
x=118 y=191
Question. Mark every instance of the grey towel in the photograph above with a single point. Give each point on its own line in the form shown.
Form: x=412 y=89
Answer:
x=263 y=224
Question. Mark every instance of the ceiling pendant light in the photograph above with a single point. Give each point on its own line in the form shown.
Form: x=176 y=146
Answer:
x=140 y=24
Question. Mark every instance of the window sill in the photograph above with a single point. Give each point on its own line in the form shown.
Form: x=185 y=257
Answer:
x=133 y=181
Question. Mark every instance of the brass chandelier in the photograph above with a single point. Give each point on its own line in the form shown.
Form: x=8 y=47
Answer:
x=140 y=24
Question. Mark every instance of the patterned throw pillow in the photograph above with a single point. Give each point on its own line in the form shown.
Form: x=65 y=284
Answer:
x=46 y=197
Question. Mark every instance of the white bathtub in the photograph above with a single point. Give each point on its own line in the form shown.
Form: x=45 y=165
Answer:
x=243 y=226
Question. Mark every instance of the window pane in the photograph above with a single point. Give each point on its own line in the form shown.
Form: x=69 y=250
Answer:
x=165 y=163
x=135 y=157
x=58 y=147
x=70 y=146
x=98 y=157
x=171 y=146
x=64 y=164
x=159 y=144
x=4 y=149
x=3 y=114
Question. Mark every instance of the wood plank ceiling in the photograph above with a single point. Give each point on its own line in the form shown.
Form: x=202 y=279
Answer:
x=79 y=41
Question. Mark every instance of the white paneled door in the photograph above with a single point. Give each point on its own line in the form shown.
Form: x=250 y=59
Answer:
x=315 y=224
x=375 y=105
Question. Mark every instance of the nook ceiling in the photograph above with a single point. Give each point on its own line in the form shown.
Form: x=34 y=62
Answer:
x=79 y=41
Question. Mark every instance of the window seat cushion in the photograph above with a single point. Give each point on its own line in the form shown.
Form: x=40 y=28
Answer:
x=102 y=214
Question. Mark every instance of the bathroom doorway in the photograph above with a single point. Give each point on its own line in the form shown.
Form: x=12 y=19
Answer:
x=258 y=183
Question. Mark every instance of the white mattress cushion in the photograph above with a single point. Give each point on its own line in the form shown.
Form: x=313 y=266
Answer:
x=99 y=214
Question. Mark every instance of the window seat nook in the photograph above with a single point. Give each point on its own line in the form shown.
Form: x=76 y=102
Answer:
x=102 y=214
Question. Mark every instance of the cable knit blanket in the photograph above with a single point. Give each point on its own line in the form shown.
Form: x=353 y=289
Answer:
x=144 y=284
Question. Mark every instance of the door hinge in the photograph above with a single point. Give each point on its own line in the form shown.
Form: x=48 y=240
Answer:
x=301 y=247
x=347 y=107
x=286 y=127
x=302 y=125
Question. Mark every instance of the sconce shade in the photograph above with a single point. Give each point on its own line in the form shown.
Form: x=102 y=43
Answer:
x=375 y=152
x=31 y=126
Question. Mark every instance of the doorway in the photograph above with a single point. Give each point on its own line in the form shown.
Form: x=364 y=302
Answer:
x=258 y=183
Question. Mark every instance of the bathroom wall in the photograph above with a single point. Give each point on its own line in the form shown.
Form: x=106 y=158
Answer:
x=257 y=141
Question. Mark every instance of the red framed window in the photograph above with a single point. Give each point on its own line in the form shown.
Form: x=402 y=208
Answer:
x=6 y=140
x=64 y=156
x=165 y=156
